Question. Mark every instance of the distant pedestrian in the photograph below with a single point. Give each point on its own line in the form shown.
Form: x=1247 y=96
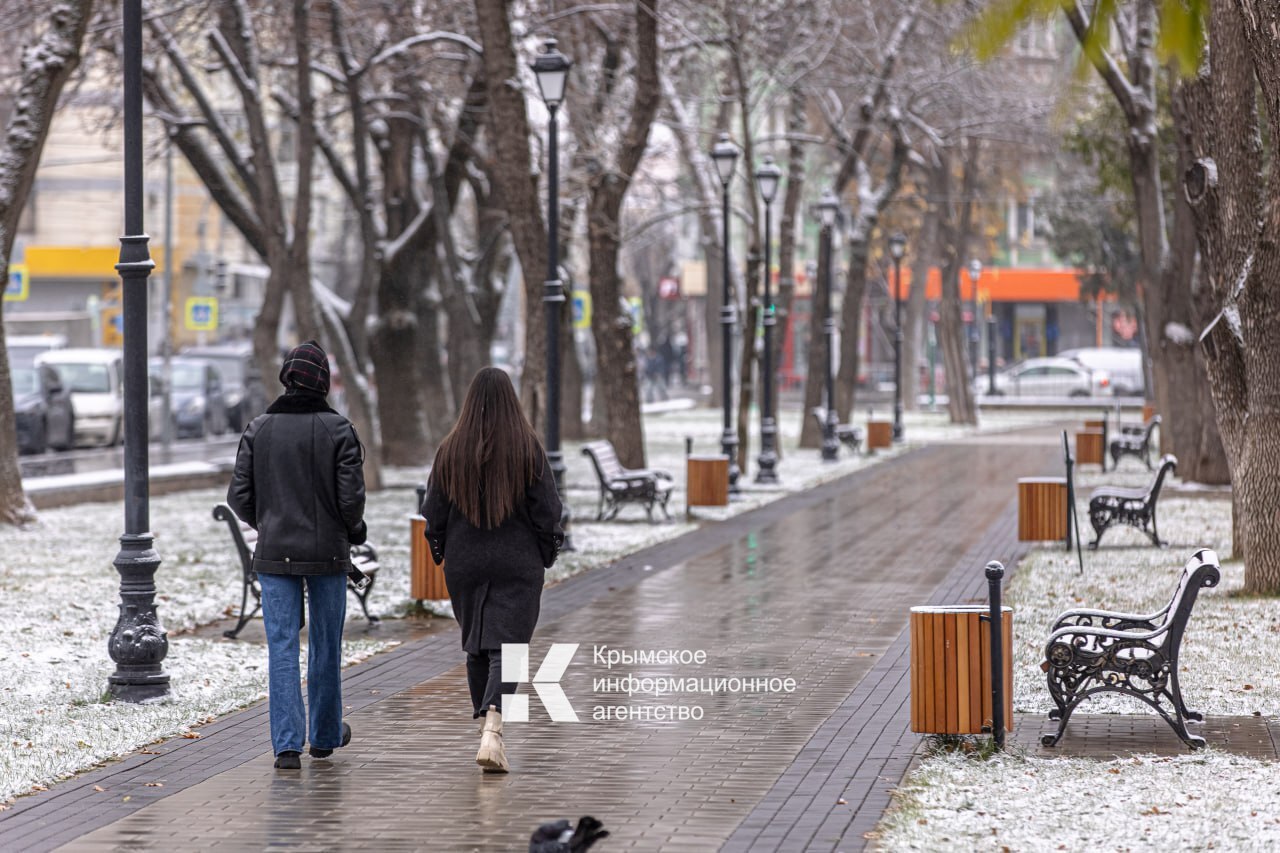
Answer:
x=299 y=482
x=493 y=520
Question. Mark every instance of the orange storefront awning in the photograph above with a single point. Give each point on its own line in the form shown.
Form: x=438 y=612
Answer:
x=1001 y=284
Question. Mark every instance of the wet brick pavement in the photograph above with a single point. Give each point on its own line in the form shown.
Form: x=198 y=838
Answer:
x=814 y=587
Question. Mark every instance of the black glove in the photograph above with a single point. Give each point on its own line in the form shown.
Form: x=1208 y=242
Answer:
x=360 y=536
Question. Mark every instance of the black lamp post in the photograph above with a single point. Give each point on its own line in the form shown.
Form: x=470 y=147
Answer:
x=767 y=177
x=138 y=642
x=725 y=155
x=897 y=248
x=551 y=68
x=975 y=273
x=827 y=209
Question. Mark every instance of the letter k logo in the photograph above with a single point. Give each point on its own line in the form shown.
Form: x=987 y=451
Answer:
x=546 y=683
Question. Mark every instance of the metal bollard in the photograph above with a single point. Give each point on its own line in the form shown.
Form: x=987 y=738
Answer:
x=422 y=497
x=995 y=574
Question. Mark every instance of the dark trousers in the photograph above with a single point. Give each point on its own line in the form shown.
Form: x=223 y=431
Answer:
x=484 y=677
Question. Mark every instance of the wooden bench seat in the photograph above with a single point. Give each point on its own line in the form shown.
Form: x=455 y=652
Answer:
x=1134 y=441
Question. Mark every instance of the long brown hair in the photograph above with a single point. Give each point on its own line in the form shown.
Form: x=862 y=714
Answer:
x=491 y=455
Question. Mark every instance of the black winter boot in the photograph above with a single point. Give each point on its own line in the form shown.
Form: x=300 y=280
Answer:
x=289 y=760
x=317 y=752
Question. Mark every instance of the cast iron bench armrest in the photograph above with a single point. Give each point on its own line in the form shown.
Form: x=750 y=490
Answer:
x=1136 y=619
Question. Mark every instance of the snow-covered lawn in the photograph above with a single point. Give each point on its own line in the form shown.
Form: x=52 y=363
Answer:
x=60 y=592
x=1204 y=801
x=1195 y=801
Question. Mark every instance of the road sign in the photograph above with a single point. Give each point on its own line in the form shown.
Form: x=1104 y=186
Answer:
x=668 y=287
x=581 y=309
x=201 y=314
x=18 y=287
x=112 y=326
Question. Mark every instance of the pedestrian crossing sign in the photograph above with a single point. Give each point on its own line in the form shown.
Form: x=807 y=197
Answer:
x=201 y=314
x=18 y=287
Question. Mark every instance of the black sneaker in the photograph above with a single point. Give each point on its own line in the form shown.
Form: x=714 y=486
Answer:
x=289 y=761
x=317 y=752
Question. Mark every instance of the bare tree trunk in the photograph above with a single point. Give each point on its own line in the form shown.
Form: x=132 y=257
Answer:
x=438 y=403
x=45 y=71
x=787 y=232
x=395 y=335
x=615 y=357
x=923 y=247
x=749 y=300
x=815 y=375
x=855 y=287
x=509 y=133
x=954 y=231
x=1236 y=202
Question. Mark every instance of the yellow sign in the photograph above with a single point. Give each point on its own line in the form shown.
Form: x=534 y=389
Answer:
x=18 y=288
x=582 y=309
x=112 y=326
x=201 y=314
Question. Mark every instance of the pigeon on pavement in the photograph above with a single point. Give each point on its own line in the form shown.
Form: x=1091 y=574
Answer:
x=562 y=837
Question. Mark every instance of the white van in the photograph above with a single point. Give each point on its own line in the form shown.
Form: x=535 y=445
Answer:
x=1124 y=364
x=95 y=378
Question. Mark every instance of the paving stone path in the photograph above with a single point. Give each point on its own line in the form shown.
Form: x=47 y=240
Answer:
x=814 y=587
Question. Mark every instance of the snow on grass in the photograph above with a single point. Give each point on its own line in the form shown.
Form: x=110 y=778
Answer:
x=1189 y=802
x=1201 y=801
x=61 y=592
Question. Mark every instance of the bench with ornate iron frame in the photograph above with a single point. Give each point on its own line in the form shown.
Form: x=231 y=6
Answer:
x=1099 y=651
x=848 y=434
x=363 y=558
x=1134 y=441
x=620 y=485
x=1110 y=505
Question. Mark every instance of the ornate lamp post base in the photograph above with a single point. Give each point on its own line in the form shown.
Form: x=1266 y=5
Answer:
x=767 y=462
x=729 y=447
x=830 y=444
x=138 y=642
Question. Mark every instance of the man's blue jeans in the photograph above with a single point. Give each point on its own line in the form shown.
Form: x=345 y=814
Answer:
x=282 y=616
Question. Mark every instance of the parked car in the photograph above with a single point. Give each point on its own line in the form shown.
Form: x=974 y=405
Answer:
x=42 y=409
x=95 y=379
x=1122 y=364
x=23 y=349
x=242 y=385
x=197 y=405
x=1048 y=377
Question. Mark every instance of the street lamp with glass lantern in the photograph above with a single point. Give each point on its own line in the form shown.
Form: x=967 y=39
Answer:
x=725 y=155
x=975 y=273
x=551 y=68
x=827 y=209
x=767 y=178
x=138 y=642
x=897 y=248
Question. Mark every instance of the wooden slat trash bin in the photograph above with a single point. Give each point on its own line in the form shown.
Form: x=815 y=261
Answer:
x=1042 y=509
x=426 y=577
x=1090 y=446
x=707 y=481
x=951 y=669
x=879 y=434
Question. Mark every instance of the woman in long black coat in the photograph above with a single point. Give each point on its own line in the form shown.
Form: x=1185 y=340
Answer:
x=493 y=519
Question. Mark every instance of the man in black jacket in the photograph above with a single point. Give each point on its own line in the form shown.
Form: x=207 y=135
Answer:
x=299 y=481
